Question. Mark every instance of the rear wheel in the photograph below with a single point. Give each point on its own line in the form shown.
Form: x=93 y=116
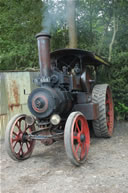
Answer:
x=77 y=138
x=17 y=145
x=103 y=126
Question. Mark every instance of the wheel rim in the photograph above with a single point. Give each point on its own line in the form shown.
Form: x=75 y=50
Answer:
x=80 y=138
x=109 y=111
x=20 y=146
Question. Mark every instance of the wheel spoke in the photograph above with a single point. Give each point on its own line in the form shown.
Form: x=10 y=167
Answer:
x=83 y=148
x=77 y=148
x=108 y=113
x=82 y=126
x=27 y=129
x=107 y=101
x=27 y=145
x=15 y=139
x=30 y=144
x=15 y=133
x=15 y=145
x=77 y=126
x=18 y=124
x=75 y=136
x=108 y=123
x=21 y=150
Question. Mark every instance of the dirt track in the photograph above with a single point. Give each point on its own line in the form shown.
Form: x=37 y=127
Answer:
x=49 y=171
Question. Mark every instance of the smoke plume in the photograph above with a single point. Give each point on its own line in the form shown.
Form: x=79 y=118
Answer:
x=54 y=15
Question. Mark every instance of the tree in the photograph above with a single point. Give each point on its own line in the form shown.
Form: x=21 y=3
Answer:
x=19 y=22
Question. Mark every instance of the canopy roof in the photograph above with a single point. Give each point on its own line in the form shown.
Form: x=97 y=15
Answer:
x=72 y=55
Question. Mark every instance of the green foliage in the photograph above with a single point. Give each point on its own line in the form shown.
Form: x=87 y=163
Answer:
x=117 y=76
x=19 y=22
x=59 y=39
x=119 y=82
x=121 y=110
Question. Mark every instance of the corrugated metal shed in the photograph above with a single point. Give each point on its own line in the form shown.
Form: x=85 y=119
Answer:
x=14 y=90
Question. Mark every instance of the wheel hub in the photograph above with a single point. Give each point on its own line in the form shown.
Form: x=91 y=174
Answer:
x=82 y=138
x=24 y=137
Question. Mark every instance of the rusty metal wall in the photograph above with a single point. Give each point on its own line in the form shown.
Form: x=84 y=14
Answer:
x=14 y=90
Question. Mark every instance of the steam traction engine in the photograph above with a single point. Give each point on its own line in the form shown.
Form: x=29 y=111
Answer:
x=65 y=100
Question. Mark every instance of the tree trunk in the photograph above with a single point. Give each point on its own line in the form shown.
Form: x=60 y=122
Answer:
x=71 y=23
x=91 y=17
x=115 y=29
x=101 y=42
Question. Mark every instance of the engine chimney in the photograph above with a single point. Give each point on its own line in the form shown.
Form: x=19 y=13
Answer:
x=43 y=41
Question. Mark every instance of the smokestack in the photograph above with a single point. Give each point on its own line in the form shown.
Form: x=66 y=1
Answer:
x=43 y=41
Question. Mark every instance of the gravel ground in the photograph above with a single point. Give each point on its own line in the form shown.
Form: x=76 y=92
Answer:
x=49 y=171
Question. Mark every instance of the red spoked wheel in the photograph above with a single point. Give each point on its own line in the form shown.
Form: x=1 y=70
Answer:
x=77 y=138
x=109 y=111
x=17 y=145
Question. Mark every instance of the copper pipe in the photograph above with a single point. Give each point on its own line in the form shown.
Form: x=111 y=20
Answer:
x=43 y=41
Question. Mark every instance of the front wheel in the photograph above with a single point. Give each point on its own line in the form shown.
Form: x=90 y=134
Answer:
x=77 y=138
x=16 y=143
